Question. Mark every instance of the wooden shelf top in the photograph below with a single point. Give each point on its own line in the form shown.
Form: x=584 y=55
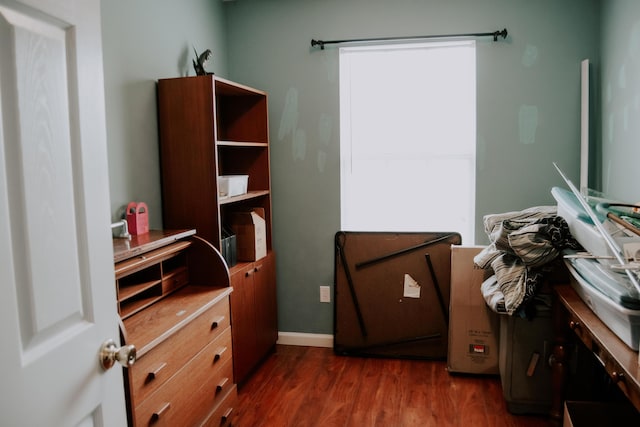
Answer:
x=125 y=248
x=247 y=196
x=241 y=144
x=227 y=87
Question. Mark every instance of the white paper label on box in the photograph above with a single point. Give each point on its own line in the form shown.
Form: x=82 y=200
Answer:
x=411 y=287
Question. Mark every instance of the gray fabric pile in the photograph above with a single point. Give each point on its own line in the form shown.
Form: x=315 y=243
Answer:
x=523 y=245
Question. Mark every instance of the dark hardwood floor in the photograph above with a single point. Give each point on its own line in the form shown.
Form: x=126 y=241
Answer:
x=310 y=386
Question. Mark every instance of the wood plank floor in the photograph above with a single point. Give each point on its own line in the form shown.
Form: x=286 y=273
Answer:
x=311 y=386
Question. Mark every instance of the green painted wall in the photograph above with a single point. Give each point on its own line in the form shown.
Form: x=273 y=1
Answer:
x=620 y=118
x=528 y=103
x=528 y=112
x=143 y=41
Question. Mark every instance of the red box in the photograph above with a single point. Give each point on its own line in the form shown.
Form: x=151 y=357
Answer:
x=137 y=218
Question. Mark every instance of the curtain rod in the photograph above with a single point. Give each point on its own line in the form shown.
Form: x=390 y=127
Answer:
x=494 y=34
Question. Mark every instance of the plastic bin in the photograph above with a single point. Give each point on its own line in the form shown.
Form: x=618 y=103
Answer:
x=232 y=185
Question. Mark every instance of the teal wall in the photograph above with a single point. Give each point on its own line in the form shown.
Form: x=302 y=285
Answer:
x=143 y=41
x=620 y=87
x=528 y=112
x=528 y=104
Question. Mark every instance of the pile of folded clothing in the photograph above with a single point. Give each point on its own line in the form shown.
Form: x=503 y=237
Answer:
x=526 y=246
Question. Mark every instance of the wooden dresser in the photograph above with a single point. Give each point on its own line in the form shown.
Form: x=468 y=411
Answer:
x=573 y=316
x=173 y=299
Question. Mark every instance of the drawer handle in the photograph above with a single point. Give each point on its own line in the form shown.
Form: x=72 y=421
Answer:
x=617 y=376
x=221 y=385
x=574 y=325
x=248 y=273
x=226 y=415
x=217 y=322
x=153 y=374
x=258 y=267
x=157 y=414
x=219 y=353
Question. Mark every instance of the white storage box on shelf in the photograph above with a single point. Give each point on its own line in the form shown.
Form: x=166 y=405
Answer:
x=623 y=321
x=232 y=185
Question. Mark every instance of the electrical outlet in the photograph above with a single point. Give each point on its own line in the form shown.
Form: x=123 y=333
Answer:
x=325 y=294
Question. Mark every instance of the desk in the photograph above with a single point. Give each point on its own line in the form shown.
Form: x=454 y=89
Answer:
x=571 y=314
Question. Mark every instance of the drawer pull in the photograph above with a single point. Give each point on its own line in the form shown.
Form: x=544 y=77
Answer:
x=217 y=322
x=248 y=273
x=258 y=267
x=219 y=353
x=221 y=385
x=574 y=325
x=153 y=374
x=617 y=376
x=226 y=415
x=157 y=414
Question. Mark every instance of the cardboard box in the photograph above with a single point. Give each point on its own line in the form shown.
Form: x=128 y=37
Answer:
x=474 y=328
x=251 y=234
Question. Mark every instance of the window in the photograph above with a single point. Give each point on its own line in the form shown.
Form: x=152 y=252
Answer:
x=407 y=136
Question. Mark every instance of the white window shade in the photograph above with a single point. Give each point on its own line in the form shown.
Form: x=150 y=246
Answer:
x=408 y=131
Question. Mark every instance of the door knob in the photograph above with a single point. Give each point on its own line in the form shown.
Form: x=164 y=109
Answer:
x=110 y=353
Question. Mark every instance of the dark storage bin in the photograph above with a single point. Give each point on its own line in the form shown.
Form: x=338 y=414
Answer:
x=525 y=347
x=601 y=414
x=229 y=247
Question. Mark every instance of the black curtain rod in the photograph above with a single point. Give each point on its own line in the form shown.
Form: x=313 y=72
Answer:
x=494 y=34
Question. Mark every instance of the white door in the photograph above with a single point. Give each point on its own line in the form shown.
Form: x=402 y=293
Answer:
x=57 y=294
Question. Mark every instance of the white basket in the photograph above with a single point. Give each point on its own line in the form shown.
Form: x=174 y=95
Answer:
x=232 y=185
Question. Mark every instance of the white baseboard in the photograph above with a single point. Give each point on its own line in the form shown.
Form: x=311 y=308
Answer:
x=304 y=339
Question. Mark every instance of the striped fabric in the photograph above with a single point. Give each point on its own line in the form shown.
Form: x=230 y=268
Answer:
x=522 y=245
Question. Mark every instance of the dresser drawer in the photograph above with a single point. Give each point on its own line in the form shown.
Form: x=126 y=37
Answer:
x=582 y=333
x=225 y=413
x=188 y=396
x=158 y=365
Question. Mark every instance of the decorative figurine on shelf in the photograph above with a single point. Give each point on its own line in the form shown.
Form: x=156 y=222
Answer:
x=200 y=61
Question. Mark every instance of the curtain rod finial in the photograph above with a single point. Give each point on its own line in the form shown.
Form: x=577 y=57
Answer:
x=315 y=43
x=502 y=33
